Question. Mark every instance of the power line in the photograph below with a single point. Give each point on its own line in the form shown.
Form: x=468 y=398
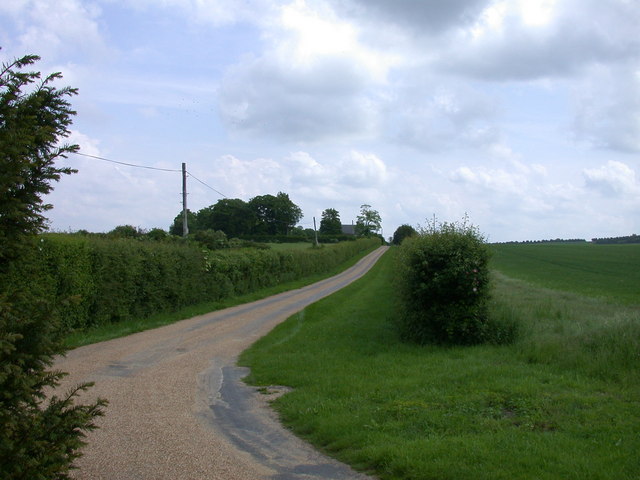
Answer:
x=150 y=168
x=208 y=186
x=128 y=164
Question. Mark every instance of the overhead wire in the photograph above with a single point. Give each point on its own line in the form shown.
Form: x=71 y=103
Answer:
x=156 y=168
x=150 y=168
x=208 y=186
x=127 y=164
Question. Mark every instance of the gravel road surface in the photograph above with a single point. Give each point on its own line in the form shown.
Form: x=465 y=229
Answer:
x=178 y=408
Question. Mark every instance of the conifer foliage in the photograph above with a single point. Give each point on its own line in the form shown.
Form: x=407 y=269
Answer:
x=41 y=431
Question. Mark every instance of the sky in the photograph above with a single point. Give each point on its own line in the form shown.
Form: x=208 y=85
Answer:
x=523 y=115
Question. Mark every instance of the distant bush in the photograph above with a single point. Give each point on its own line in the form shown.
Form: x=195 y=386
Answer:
x=213 y=240
x=443 y=282
x=126 y=231
x=402 y=232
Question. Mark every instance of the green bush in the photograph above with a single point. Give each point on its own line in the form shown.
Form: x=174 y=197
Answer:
x=443 y=286
x=211 y=239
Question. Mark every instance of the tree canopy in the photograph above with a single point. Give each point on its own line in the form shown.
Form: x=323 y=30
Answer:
x=262 y=215
x=330 y=223
x=368 y=222
x=402 y=232
x=276 y=215
x=230 y=215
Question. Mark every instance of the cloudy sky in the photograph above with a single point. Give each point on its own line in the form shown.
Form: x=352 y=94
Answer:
x=524 y=114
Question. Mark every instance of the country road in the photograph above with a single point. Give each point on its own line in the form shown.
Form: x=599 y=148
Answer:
x=178 y=408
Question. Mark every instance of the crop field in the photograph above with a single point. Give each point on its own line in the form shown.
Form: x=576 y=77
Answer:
x=610 y=272
x=559 y=403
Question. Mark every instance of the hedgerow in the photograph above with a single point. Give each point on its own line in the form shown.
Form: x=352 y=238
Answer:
x=105 y=280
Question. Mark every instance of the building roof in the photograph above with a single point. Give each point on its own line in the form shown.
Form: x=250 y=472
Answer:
x=348 y=229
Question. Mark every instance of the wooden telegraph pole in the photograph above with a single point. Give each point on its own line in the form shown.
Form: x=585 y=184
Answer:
x=315 y=231
x=185 y=223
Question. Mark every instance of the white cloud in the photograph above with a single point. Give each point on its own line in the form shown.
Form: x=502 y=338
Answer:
x=613 y=179
x=607 y=107
x=88 y=145
x=298 y=170
x=362 y=170
x=54 y=28
x=269 y=97
x=437 y=117
x=528 y=40
x=498 y=181
x=308 y=32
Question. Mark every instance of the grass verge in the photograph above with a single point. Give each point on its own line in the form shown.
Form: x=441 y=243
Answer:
x=116 y=330
x=399 y=411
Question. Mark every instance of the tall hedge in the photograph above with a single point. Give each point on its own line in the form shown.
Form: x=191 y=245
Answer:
x=443 y=285
x=106 y=280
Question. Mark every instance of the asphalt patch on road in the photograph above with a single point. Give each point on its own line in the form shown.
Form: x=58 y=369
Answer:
x=247 y=421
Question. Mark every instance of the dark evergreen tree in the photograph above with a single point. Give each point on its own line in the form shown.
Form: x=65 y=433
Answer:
x=402 y=232
x=176 y=226
x=41 y=433
x=330 y=223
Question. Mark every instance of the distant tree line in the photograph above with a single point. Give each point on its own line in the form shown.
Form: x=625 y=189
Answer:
x=269 y=216
x=602 y=241
x=617 y=240
x=557 y=240
x=234 y=223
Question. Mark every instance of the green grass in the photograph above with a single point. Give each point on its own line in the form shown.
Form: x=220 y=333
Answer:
x=563 y=402
x=611 y=272
x=116 y=330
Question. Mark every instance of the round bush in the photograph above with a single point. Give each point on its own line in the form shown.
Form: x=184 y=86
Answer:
x=443 y=285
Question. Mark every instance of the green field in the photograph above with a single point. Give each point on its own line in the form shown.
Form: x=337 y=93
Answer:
x=561 y=403
x=610 y=272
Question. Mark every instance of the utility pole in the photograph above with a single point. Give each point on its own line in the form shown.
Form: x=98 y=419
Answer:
x=185 y=223
x=315 y=231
